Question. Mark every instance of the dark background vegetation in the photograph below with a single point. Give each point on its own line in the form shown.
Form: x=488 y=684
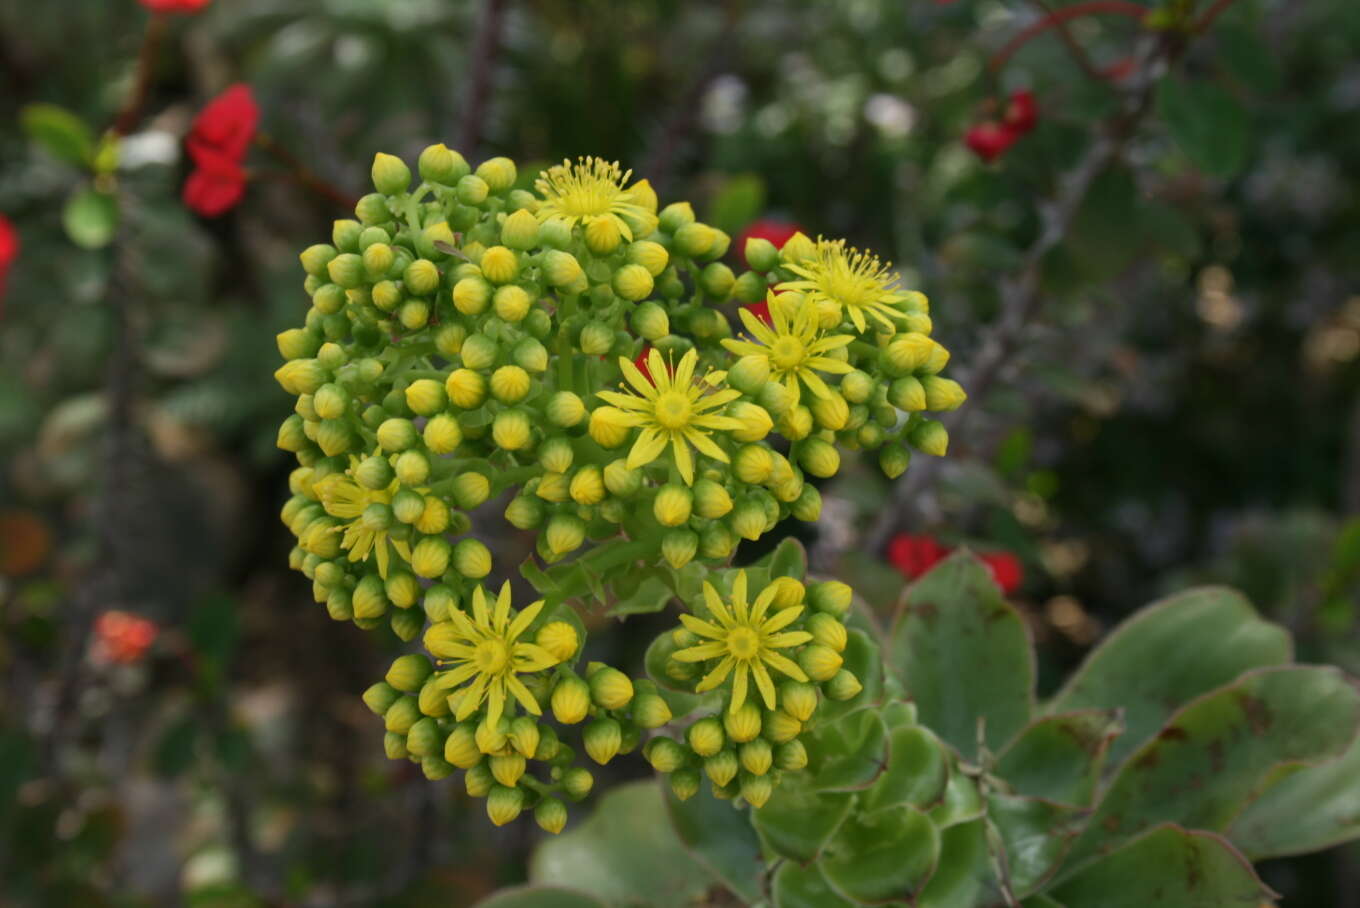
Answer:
x=1164 y=384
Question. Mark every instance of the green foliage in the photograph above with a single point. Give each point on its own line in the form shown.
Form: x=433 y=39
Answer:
x=1207 y=122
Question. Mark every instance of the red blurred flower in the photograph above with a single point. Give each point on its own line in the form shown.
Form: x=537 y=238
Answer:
x=226 y=125
x=990 y=140
x=760 y=310
x=1006 y=570
x=1021 y=112
x=175 y=6
x=9 y=251
x=914 y=555
x=215 y=186
x=776 y=231
x=123 y=637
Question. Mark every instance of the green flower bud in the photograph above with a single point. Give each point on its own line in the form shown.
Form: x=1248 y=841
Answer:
x=507 y=768
x=435 y=768
x=893 y=460
x=509 y=384
x=437 y=164
x=756 y=756
x=634 y=283
x=652 y=256
x=556 y=455
x=694 y=240
x=907 y=393
x=779 y=727
x=426 y=397
x=379 y=697
x=442 y=434
x=500 y=265
x=396 y=434
x=555 y=233
x=430 y=557
x=471 y=295
x=820 y=663
x=345 y=233
x=602 y=739
x=391 y=176
x=460 y=748
x=408 y=506
x=565 y=409
x=512 y=429
x=512 y=304
x=316 y=258
x=610 y=688
x=479 y=352
x=520 y=230
x=830 y=596
x=378 y=259
x=529 y=354
x=796 y=423
x=471 y=558
x=412 y=468
x=705 y=736
x=334 y=437
x=479 y=781
x=717 y=541
x=424 y=738
x=790 y=756
x=603 y=235
x=503 y=804
x=711 y=500
x=432 y=699
x=755 y=421
x=743 y=723
x=775 y=398
x=664 y=754
x=717 y=281
x=301 y=376
x=499 y=173
x=577 y=782
x=756 y=789
x=907 y=353
x=674 y=216
x=551 y=815
x=939 y=358
x=685 y=783
x=421 y=277
x=930 y=437
x=370 y=597
x=408 y=672
x=761 y=255
x=439 y=602
x=401 y=715
x=678 y=547
x=620 y=480
x=650 y=710
x=808 y=505
x=819 y=457
x=587 y=485
x=597 y=338
x=843 y=686
x=830 y=412
x=466 y=389
x=493 y=738
x=394 y=745
x=565 y=533
x=748 y=521
x=291 y=436
x=942 y=394
x=649 y=320
x=672 y=505
x=827 y=630
x=523 y=513
x=561 y=268
x=297 y=343
x=721 y=768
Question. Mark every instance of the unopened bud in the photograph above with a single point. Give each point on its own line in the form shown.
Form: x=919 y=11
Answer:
x=722 y=767
x=650 y=710
x=819 y=662
x=401 y=715
x=827 y=630
x=797 y=248
x=678 y=547
x=391 y=176
x=780 y=727
x=460 y=747
x=610 y=688
x=559 y=638
x=478 y=780
x=520 y=230
x=565 y=409
x=587 y=485
x=577 y=782
x=685 y=783
x=756 y=789
x=430 y=557
x=570 y=700
x=561 y=268
x=602 y=740
x=743 y=723
x=819 y=457
x=943 y=394
x=551 y=815
x=907 y=353
x=426 y=397
x=408 y=672
x=756 y=756
x=565 y=533
x=843 y=686
x=652 y=256
x=665 y=754
x=791 y=756
x=380 y=696
x=705 y=736
x=673 y=505
x=930 y=437
x=609 y=426
x=424 y=738
x=893 y=460
x=503 y=804
x=512 y=430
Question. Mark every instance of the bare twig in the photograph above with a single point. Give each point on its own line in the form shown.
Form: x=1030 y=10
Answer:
x=1021 y=299
x=1074 y=48
x=484 y=50
x=303 y=174
x=1059 y=18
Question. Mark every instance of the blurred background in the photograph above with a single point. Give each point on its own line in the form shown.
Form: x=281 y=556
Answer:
x=1138 y=225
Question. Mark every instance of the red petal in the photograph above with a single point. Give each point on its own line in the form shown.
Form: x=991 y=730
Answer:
x=226 y=126
x=1021 y=111
x=914 y=555
x=214 y=188
x=989 y=140
x=1006 y=570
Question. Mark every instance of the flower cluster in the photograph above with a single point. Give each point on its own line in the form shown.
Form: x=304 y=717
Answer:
x=772 y=656
x=217 y=143
x=568 y=342
x=992 y=138
x=121 y=637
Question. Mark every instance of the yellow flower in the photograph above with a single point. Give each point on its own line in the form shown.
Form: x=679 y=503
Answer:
x=745 y=640
x=672 y=408
x=793 y=343
x=366 y=530
x=856 y=281
x=486 y=651
x=589 y=190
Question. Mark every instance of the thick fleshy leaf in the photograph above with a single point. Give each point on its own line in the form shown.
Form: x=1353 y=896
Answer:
x=797 y=820
x=796 y=886
x=1220 y=752
x=917 y=773
x=1312 y=809
x=861 y=658
x=963 y=654
x=626 y=852
x=1060 y=757
x=789 y=559
x=964 y=877
x=540 y=897
x=1167 y=866
x=1036 y=835
x=1197 y=641
x=720 y=837
x=962 y=802
x=849 y=753
x=882 y=856
x=652 y=595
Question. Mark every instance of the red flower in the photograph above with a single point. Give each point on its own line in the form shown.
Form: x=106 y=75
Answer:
x=914 y=555
x=226 y=125
x=218 y=142
x=990 y=140
x=776 y=231
x=760 y=310
x=175 y=6
x=9 y=251
x=1006 y=570
x=123 y=637
x=215 y=186
x=1021 y=112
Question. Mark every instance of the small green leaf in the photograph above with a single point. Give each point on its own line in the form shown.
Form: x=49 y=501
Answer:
x=789 y=559
x=1198 y=640
x=1220 y=752
x=1167 y=866
x=1313 y=809
x=848 y=754
x=795 y=886
x=1060 y=757
x=540 y=897
x=917 y=773
x=720 y=837
x=1207 y=123
x=652 y=595
x=61 y=133
x=627 y=852
x=964 y=656
x=1036 y=835
x=90 y=218
x=1248 y=58
x=882 y=855
x=797 y=820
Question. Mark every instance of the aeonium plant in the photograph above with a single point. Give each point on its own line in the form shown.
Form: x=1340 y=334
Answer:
x=572 y=346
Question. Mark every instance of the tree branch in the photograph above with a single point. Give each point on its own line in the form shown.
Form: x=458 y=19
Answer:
x=485 y=47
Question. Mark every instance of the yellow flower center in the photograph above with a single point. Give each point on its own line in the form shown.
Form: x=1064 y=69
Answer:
x=673 y=410
x=787 y=352
x=743 y=643
x=491 y=656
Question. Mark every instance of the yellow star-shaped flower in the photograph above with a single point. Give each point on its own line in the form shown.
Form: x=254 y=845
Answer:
x=590 y=189
x=366 y=531
x=793 y=344
x=861 y=285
